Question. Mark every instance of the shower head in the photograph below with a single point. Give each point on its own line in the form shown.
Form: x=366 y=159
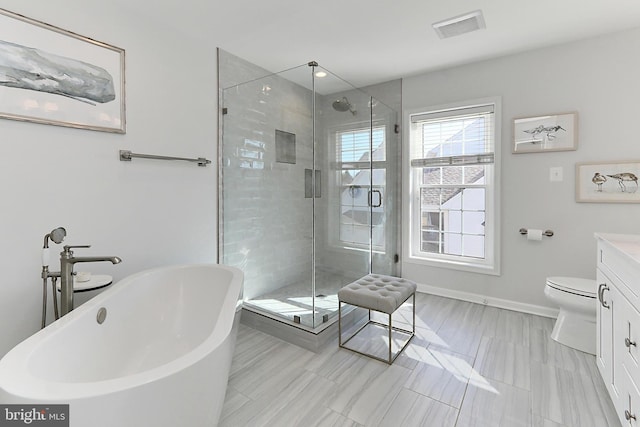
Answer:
x=343 y=105
x=57 y=235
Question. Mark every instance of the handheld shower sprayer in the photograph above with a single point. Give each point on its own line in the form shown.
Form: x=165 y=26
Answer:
x=57 y=235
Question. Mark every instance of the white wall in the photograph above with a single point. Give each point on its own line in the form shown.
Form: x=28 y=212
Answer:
x=149 y=213
x=598 y=78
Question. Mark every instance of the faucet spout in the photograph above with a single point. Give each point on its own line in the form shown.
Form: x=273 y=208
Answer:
x=112 y=259
x=67 y=261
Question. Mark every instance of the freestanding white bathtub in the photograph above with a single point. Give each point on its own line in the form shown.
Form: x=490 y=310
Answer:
x=160 y=358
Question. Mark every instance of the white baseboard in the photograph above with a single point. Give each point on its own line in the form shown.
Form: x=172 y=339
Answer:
x=490 y=301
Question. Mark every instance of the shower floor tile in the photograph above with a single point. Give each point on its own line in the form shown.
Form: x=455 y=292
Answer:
x=295 y=300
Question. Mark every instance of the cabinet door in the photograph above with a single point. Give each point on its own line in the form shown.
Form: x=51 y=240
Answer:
x=612 y=328
x=629 y=341
x=628 y=408
x=604 y=334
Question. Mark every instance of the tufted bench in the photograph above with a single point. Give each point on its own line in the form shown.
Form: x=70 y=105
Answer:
x=380 y=293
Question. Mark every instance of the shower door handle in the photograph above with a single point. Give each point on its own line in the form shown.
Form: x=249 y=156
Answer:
x=370 y=198
x=308 y=188
x=312 y=183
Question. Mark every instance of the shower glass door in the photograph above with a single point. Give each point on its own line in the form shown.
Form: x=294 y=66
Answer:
x=385 y=186
x=342 y=244
x=304 y=200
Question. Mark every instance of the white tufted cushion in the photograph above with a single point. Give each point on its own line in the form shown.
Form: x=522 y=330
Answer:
x=378 y=292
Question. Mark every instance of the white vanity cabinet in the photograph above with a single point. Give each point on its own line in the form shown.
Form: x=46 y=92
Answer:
x=618 y=322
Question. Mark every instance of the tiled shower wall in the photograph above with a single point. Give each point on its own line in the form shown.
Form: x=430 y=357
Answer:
x=267 y=219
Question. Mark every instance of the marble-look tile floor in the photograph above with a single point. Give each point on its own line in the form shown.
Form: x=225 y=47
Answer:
x=468 y=365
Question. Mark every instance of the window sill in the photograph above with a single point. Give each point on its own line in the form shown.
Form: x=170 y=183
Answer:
x=469 y=267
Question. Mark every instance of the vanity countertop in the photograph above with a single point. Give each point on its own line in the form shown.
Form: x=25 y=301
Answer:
x=627 y=244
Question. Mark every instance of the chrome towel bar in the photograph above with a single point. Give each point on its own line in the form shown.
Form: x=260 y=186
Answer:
x=547 y=233
x=126 y=156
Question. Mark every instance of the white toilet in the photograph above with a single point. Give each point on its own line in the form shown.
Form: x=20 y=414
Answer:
x=576 y=323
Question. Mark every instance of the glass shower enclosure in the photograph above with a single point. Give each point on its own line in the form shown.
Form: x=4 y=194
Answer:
x=308 y=187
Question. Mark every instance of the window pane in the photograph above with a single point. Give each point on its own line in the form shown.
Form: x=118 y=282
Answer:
x=452 y=198
x=473 y=199
x=473 y=246
x=347 y=216
x=453 y=222
x=431 y=247
x=431 y=221
x=352 y=192
x=430 y=198
x=432 y=176
x=473 y=223
x=474 y=174
x=453 y=244
x=431 y=241
x=354 y=145
x=355 y=216
x=430 y=234
x=355 y=187
x=378 y=144
x=356 y=177
x=455 y=137
x=452 y=175
x=475 y=135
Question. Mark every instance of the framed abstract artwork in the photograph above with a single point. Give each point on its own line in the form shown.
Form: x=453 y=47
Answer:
x=52 y=76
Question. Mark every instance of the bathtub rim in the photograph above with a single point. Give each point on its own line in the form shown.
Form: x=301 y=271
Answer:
x=17 y=379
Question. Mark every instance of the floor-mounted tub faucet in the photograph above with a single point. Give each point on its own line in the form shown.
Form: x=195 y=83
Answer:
x=67 y=261
x=57 y=235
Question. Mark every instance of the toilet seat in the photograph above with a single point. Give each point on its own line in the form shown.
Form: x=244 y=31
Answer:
x=573 y=285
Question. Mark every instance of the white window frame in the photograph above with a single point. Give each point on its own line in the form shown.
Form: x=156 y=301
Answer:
x=490 y=264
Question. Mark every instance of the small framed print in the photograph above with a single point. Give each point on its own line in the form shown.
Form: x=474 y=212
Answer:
x=608 y=182
x=554 y=132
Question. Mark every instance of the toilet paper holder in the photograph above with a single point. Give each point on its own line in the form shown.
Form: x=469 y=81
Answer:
x=547 y=233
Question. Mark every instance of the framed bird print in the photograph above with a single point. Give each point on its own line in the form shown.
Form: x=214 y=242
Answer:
x=553 y=132
x=608 y=182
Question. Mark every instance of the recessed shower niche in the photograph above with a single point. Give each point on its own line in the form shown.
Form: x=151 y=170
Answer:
x=285 y=147
x=319 y=208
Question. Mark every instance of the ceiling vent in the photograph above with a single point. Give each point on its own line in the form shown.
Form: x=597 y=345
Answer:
x=466 y=23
